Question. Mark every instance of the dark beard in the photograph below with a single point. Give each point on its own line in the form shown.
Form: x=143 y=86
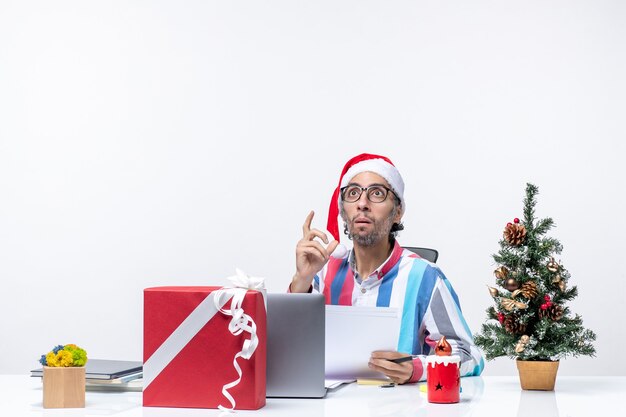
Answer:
x=367 y=240
x=380 y=232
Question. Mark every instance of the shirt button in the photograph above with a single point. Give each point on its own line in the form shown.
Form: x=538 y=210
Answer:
x=363 y=290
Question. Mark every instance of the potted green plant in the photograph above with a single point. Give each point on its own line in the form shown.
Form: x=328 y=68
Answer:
x=530 y=321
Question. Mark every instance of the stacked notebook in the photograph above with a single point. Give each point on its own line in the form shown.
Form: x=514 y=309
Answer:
x=109 y=375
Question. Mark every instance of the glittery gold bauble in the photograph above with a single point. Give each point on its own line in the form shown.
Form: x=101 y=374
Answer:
x=556 y=278
x=511 y=284
x=514 y=234
x=562 y=285
x=501 y=273
x=552 y=266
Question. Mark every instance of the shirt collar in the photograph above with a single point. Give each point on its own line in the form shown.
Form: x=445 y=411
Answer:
x=385 y=267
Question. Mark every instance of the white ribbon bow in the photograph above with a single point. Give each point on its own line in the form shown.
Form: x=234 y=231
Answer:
x=243 y=280
x=240 y=322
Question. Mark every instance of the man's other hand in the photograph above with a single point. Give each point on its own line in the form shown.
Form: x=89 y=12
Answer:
x=400 y=373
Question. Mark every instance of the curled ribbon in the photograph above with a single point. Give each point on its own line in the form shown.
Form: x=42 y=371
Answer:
x=240 y=322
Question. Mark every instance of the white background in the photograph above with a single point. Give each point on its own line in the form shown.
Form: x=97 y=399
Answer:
x=147 y=143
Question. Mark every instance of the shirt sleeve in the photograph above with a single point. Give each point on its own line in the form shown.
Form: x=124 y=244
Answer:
x=443 y=317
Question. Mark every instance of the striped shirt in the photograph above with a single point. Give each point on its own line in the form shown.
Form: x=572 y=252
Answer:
x=430 y=307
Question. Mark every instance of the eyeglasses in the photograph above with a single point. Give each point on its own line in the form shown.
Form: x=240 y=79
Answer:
x=375 y=193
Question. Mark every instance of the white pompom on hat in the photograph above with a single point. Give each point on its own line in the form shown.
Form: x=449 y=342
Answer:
x=364 y=162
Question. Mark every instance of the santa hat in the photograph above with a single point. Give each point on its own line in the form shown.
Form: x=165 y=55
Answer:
x=365 y=162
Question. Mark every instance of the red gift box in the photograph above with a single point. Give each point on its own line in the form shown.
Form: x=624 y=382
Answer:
x=189 y=350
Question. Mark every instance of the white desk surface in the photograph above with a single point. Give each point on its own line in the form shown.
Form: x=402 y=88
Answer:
x=482 y=396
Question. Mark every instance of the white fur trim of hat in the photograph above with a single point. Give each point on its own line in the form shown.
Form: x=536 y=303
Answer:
x=381 y=167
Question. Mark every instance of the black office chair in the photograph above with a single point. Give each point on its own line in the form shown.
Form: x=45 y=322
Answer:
x=429 y=254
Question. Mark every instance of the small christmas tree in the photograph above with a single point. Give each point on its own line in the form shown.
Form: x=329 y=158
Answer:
x=530 y=320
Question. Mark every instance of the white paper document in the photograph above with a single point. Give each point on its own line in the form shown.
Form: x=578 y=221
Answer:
x=353 y=333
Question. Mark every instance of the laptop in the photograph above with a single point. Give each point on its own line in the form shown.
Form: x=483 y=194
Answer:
x=106 y=369
x=295 y=345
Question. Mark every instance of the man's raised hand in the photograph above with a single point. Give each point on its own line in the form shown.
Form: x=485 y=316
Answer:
x=311 y=255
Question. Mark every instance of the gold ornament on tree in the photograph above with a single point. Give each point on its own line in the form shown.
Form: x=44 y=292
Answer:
x=501 y=273
x=521 y=344
x=494 y=292
x=509 y=304
x=514 y=233
x=558 y=279
x=553 y=266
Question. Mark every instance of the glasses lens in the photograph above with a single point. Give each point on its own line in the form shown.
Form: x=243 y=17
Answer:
x=376 y=194
x=351 y=193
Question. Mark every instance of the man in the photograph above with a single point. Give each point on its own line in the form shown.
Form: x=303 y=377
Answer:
x=379 y=272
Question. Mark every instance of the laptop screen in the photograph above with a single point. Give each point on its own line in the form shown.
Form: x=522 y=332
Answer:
x=295 y=345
